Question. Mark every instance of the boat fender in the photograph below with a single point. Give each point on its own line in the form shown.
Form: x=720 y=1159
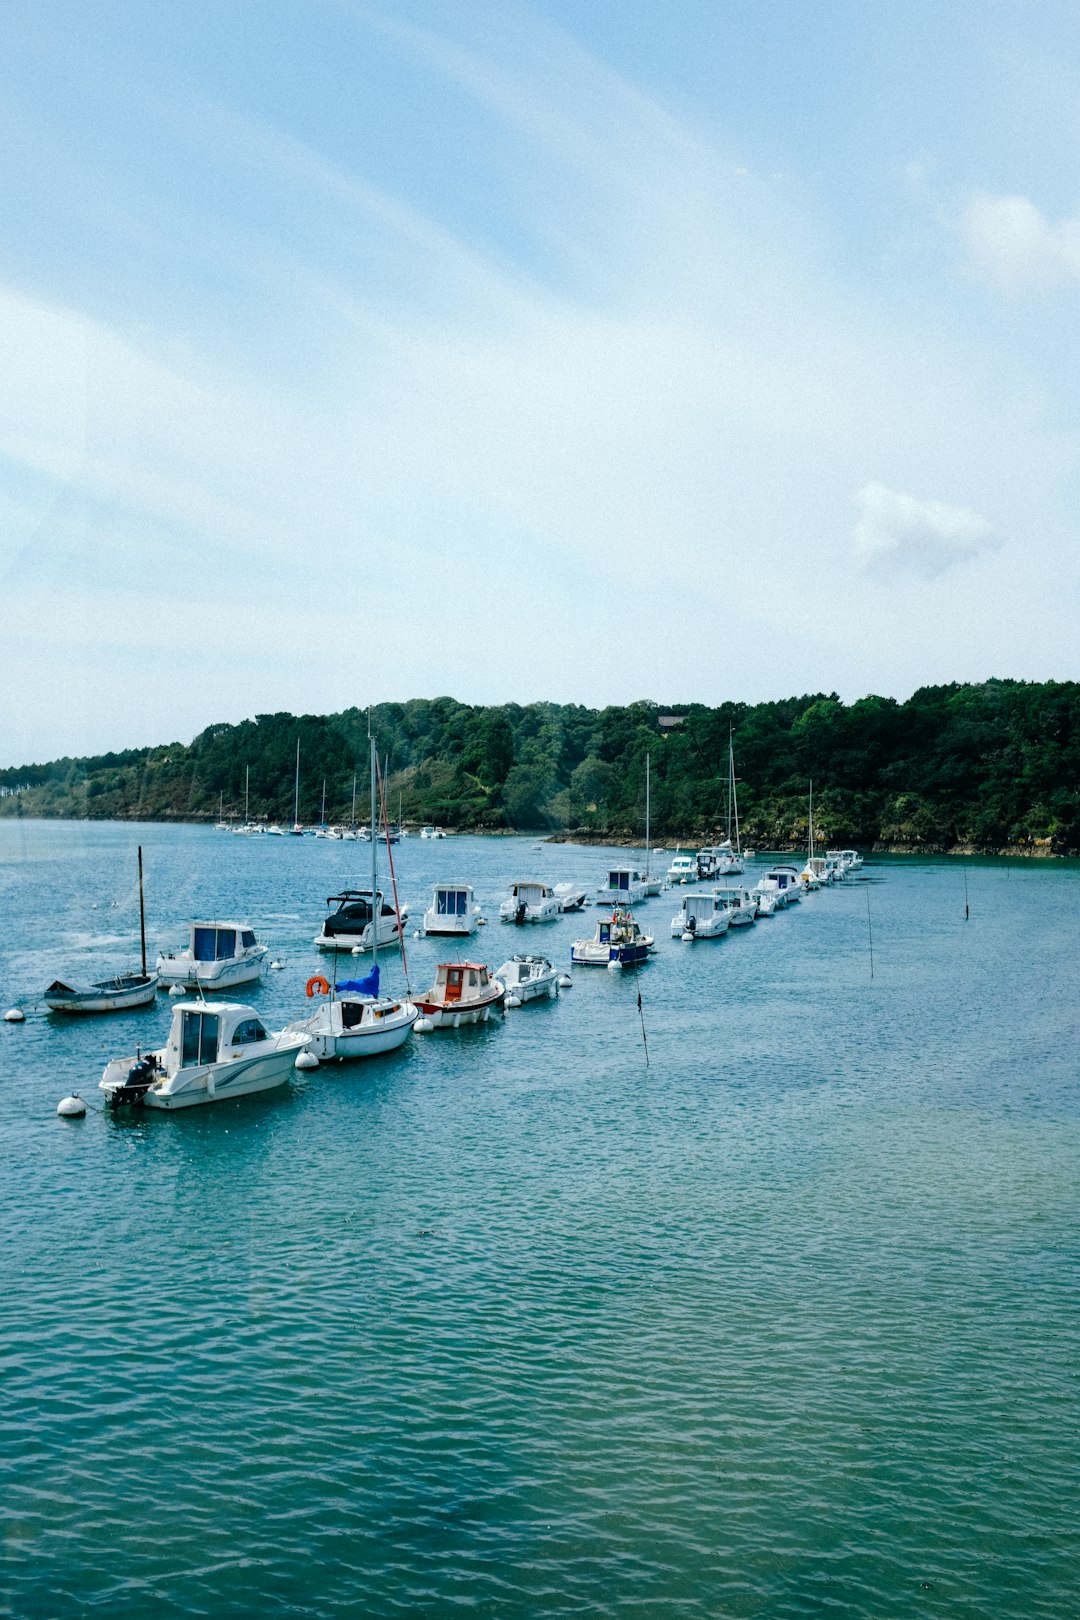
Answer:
x=317 y=984
x=566 y=982
x=306 y=1060
x=513 y=1001
x=71 y=1107
x=176 y=990
x=423 y=1025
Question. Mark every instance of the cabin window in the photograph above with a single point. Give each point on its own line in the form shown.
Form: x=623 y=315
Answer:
x=454 y=976
x=472 y=979
x=247 y=938
x=205 y=944
x=247 y=1032
x=605 y=933
x=226 y=943
x=199 y=1042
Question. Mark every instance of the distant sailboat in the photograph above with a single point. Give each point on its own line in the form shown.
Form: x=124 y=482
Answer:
x=296 y=829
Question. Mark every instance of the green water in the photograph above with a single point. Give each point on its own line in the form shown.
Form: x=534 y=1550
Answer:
x=784 y=1324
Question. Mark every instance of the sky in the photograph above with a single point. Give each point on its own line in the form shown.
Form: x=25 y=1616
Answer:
x=587 y=350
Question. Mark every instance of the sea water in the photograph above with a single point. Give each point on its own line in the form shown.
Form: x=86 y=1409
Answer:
x=779 y=1321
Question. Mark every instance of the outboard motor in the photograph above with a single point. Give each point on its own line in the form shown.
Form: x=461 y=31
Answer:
x=519 y=914
x=691 y=925
x=141 y=1077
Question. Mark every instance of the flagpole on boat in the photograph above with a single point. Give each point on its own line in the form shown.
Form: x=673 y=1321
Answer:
x=142 y=915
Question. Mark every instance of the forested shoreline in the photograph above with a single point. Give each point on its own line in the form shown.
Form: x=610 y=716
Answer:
x=988 y=768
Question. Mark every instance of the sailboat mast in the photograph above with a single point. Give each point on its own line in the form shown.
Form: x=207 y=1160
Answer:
x=322 y=812
x=296 y=789
x=142 y=916
x=648 y=846
x=730 y=782
x=352 y=818
x=374 y=867
x=811 y=818
x=247 y=785
x=734 y=794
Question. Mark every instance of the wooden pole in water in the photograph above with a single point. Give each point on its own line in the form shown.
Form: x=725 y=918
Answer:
x=142 y=915
x=644 y=1037
x=967 y=909
x=870 y=931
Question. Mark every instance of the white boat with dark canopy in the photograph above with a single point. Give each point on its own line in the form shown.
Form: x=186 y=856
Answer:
x=212 y=1054
x=219 y=956
x=529 y=901
x=348 y=927
x=528 y=978
x=453 y=910
x=703 y=916
x=355 y=1021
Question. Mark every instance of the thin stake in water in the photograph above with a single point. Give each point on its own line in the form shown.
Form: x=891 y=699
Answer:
x=870 y=931
x=644 y=1037
x=967 y=912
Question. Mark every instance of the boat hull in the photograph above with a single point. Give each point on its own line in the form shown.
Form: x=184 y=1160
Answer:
x=389 y=934
x=223 y=975
x=369 y=1039
x=218 y=1082
x=589 y=954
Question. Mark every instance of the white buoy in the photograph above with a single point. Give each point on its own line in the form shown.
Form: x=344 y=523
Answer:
x=566 y=982
x=307 y=1060
x=481 y=922
x=14 y=1015
x=176 y=990
x=418 y=933
x=513 y=1001
x=276 y=967
x=423 y=1025
x=71 y=1107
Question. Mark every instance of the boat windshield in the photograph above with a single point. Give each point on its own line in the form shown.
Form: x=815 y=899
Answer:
x=451 y=902
x=247 y=1032
x=214 y=944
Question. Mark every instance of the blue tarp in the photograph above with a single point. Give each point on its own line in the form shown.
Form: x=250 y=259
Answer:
x=362 y=987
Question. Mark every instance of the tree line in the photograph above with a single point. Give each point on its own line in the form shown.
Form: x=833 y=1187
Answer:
x=988 y=766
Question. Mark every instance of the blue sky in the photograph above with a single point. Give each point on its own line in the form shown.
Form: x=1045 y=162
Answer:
x=580 y=351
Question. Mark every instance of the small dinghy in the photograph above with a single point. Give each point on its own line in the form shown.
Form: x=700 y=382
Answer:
x=528 y=978
x=463 y=993
x=355 y=1021
x=107 y=995
x=618 y=942
x=571 y=896
x=213 y=1053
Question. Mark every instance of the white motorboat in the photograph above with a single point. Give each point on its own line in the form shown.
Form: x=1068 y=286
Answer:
x=348 y=928
x=463 y=993
x=528 y=978
x=703 y=916
x=849 y=859
x=815 y=874
x=570 y=896
x=617 y=942
x=212 y=1054
x=742 y=905
x=453 y=910
x=718 y=860
x=274 y=831
x=683 y=869
x=782 y=883
x=106 y=995
x=355 y=1021
x=432 y=832
x=624 y=887
x=219 y=956
x=529 y=901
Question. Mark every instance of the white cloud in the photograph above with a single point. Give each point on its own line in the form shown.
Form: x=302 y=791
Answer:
x=896 y=534
x=1012 y=245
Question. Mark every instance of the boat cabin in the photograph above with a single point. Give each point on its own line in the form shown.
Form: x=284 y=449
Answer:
x=199 y=1036
x=623 y=879
x=701 y=907
x=451 y=900
x=218 y=942
x=458 y=981
x=530 y=893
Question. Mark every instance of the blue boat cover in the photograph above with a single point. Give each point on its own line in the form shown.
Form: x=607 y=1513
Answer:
x=363 y=987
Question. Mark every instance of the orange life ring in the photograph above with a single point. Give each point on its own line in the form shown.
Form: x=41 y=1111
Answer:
x=318 y=983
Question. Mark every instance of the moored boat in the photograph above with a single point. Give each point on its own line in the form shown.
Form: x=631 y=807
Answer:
x=742 y=905
x=529 y=901
x=463 y=993
x=212 y=1054
x=355 y=1021
x=528 y=978
x=617 y=942
x=683 y=869
x=219 y=956
x=452 y=910
x=625 y=886
x=703 y=916
x=349 y=928
x=106 y=995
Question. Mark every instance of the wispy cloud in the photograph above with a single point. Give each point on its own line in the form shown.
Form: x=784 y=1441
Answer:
x=897 y=534
x=1011 y=244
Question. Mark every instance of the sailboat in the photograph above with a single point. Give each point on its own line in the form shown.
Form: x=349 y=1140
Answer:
x=816 y=872
x=726 y=858
x=109 y=995
x=653 y=885
x=296 y=830
x=356 y=1021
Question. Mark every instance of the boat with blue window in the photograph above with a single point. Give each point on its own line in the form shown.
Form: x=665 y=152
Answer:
x=625 y=886
x=219 y=956
x=213 y=1053
x=453 y=910
x=617 y=942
